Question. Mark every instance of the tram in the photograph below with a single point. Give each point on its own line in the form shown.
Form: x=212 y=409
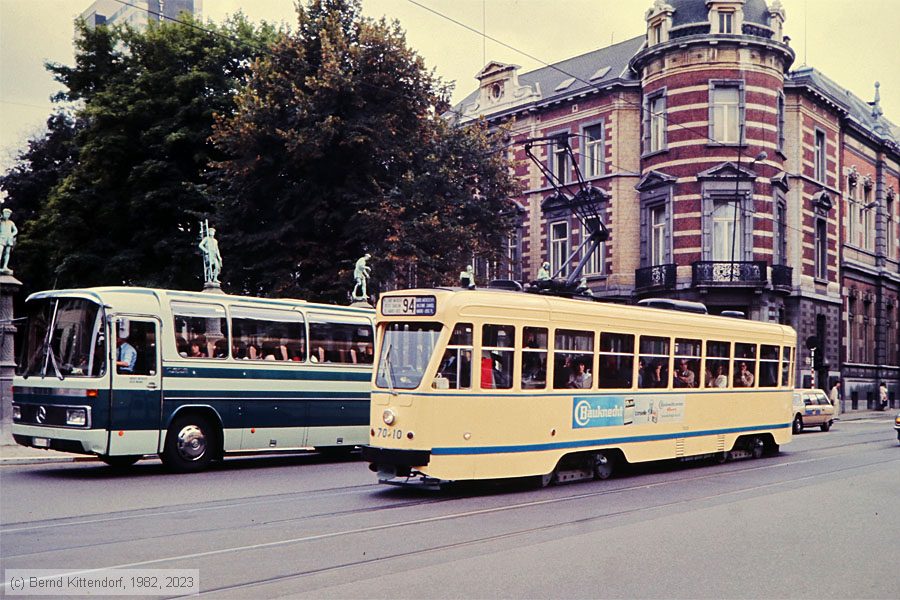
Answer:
x=477 y=384
x=124 y=372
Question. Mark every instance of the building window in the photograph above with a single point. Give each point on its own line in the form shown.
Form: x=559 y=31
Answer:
x=867 y=230
x=820 y=156
x=559 y=158
x=852 y=351
x=659 y=235
x=655 y=122
x=593 y=151
x=513 y=269
x=726 y=231
x=656 y=34
x=821 y=249
x=559 y=246
x=780 y=134
x=890 y=335
x=891 y=250
x=726 y=21
x=780 y=246
x=725 y=113
x=594 y=264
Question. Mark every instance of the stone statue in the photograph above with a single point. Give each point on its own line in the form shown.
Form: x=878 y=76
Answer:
x=467 y=277
x=8 y=233
x=361 y=275
x=544 y=272
x=212 y=258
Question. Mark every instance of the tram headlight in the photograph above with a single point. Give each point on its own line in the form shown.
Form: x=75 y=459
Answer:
x=76 y=417
x=17 y=413
x=388 y=417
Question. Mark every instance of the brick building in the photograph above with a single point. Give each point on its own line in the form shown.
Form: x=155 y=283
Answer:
x=724 y=176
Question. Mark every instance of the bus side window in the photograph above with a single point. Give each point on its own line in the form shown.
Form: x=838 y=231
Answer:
x=455 y=368
x=346 y=340
x=534 y=358
x=266 y=334
x=616 y=361
x=717 y=357
x=198 y=327
x=498 y=344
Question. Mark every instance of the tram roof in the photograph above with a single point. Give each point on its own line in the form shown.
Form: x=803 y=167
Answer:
x=494 y=302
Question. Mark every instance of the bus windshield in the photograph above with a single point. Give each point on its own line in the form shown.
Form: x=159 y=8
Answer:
x=405 y=352
x=63 y=337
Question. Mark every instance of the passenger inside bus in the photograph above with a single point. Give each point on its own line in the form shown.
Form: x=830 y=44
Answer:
x=580 y=377
x=685 y=375
x=745 y=376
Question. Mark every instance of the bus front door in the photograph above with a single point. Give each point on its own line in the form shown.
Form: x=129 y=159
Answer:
x=135 y=411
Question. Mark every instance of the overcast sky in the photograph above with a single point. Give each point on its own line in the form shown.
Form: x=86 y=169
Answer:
x=854 y=42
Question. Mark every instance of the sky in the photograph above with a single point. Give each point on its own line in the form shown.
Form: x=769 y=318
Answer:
x=854 y=42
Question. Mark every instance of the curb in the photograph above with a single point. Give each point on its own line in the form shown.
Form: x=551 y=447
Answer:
x=43 y=460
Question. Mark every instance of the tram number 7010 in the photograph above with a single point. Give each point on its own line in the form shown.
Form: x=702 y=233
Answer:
x=385 y=432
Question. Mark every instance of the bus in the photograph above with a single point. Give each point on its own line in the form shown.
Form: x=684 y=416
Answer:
x=491 y=384
x=125 y=372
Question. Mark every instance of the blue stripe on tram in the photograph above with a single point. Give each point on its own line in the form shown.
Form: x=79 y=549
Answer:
x=458 y=451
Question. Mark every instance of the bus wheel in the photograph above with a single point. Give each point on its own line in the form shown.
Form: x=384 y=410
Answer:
x=825 y=426
x=120 y=462
x=798 y=424
x=756 y=447
x=190 y=444
x=603 y=466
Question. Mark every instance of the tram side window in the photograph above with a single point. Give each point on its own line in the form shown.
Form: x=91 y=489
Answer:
x=263 y=334
x=717 y=365
x=768 y=366
x=744 y=365
x=687 y=364
x=201 y=330
x=654 y=361
x=455 y=369
x=786 y=366
x=343 y=340
x=616 y=361
x=573 y=359
x=534 y=358
x=497 y=352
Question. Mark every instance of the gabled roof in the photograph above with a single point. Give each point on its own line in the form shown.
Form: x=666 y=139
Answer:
x=583 y=68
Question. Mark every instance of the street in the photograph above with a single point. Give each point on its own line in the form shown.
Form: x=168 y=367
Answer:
x=819 y=520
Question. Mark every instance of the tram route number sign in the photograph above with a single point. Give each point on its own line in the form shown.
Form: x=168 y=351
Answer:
x=409 y=306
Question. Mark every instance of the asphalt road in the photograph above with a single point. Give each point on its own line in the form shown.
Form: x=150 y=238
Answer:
x=820 y=520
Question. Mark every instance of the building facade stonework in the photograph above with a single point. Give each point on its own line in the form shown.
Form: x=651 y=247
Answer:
x=726 y=177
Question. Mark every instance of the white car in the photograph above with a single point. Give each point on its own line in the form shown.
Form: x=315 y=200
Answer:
x=812 y=407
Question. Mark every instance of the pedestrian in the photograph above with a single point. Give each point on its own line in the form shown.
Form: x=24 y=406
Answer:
x=883 y=396
x=835 y=398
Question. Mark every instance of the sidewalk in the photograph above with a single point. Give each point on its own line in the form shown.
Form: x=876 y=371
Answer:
x=13 y=454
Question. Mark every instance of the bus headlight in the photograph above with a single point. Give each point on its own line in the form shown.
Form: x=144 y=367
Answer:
x=76 y=417
x=17 y=413
x=388 y=417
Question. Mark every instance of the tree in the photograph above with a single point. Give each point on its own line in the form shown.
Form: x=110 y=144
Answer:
x=128 y=211
x=337 y=148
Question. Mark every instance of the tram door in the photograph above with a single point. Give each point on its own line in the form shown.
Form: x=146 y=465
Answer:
x=135 y=407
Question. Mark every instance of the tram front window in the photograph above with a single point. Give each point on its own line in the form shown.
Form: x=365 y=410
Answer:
x=406 y=350
x=63 y=337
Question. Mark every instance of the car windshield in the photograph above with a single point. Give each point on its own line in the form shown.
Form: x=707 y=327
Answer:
x=405 y=352
x=62 y=337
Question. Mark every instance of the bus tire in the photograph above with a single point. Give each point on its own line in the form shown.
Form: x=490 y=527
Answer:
x=191 y=444
x=825 y=426
x=798 y=424
x=120 y=462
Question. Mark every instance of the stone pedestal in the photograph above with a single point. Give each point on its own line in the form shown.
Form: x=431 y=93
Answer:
x=9 y=286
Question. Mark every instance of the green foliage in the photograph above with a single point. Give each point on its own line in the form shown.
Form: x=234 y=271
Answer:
x=126 y=211
x=338 y=148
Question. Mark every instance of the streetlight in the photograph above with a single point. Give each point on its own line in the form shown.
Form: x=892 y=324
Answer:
x=737 y=184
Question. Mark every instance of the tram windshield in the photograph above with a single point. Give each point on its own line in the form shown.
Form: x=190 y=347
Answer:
x=63 y=337
x=405 y=352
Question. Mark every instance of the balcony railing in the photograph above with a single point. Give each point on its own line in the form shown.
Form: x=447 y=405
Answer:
x=729 y=274
x=657 y=277
x=782 y=277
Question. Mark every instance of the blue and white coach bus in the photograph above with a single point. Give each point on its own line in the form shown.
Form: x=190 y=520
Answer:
x=123 y=372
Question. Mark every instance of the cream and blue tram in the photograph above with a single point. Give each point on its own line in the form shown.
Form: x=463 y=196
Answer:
x=123 y=372
x=487 y=384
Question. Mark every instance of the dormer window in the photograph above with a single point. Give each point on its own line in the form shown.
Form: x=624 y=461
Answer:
x=656 y=34
x=726 y=21
x=496 y=91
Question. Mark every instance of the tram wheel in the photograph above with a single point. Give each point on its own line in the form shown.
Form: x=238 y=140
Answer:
x=190 y=444
x=120 y=462
x=756 y=447
x=798 y=424
x=603 y=466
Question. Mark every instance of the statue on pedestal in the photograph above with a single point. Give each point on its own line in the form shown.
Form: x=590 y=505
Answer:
x=543 y=273
x=8 y=233
x=467 y=277
x=212 y=258
x=361 y=275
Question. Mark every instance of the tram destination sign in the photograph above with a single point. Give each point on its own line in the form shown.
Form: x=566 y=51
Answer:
x=409 y=306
